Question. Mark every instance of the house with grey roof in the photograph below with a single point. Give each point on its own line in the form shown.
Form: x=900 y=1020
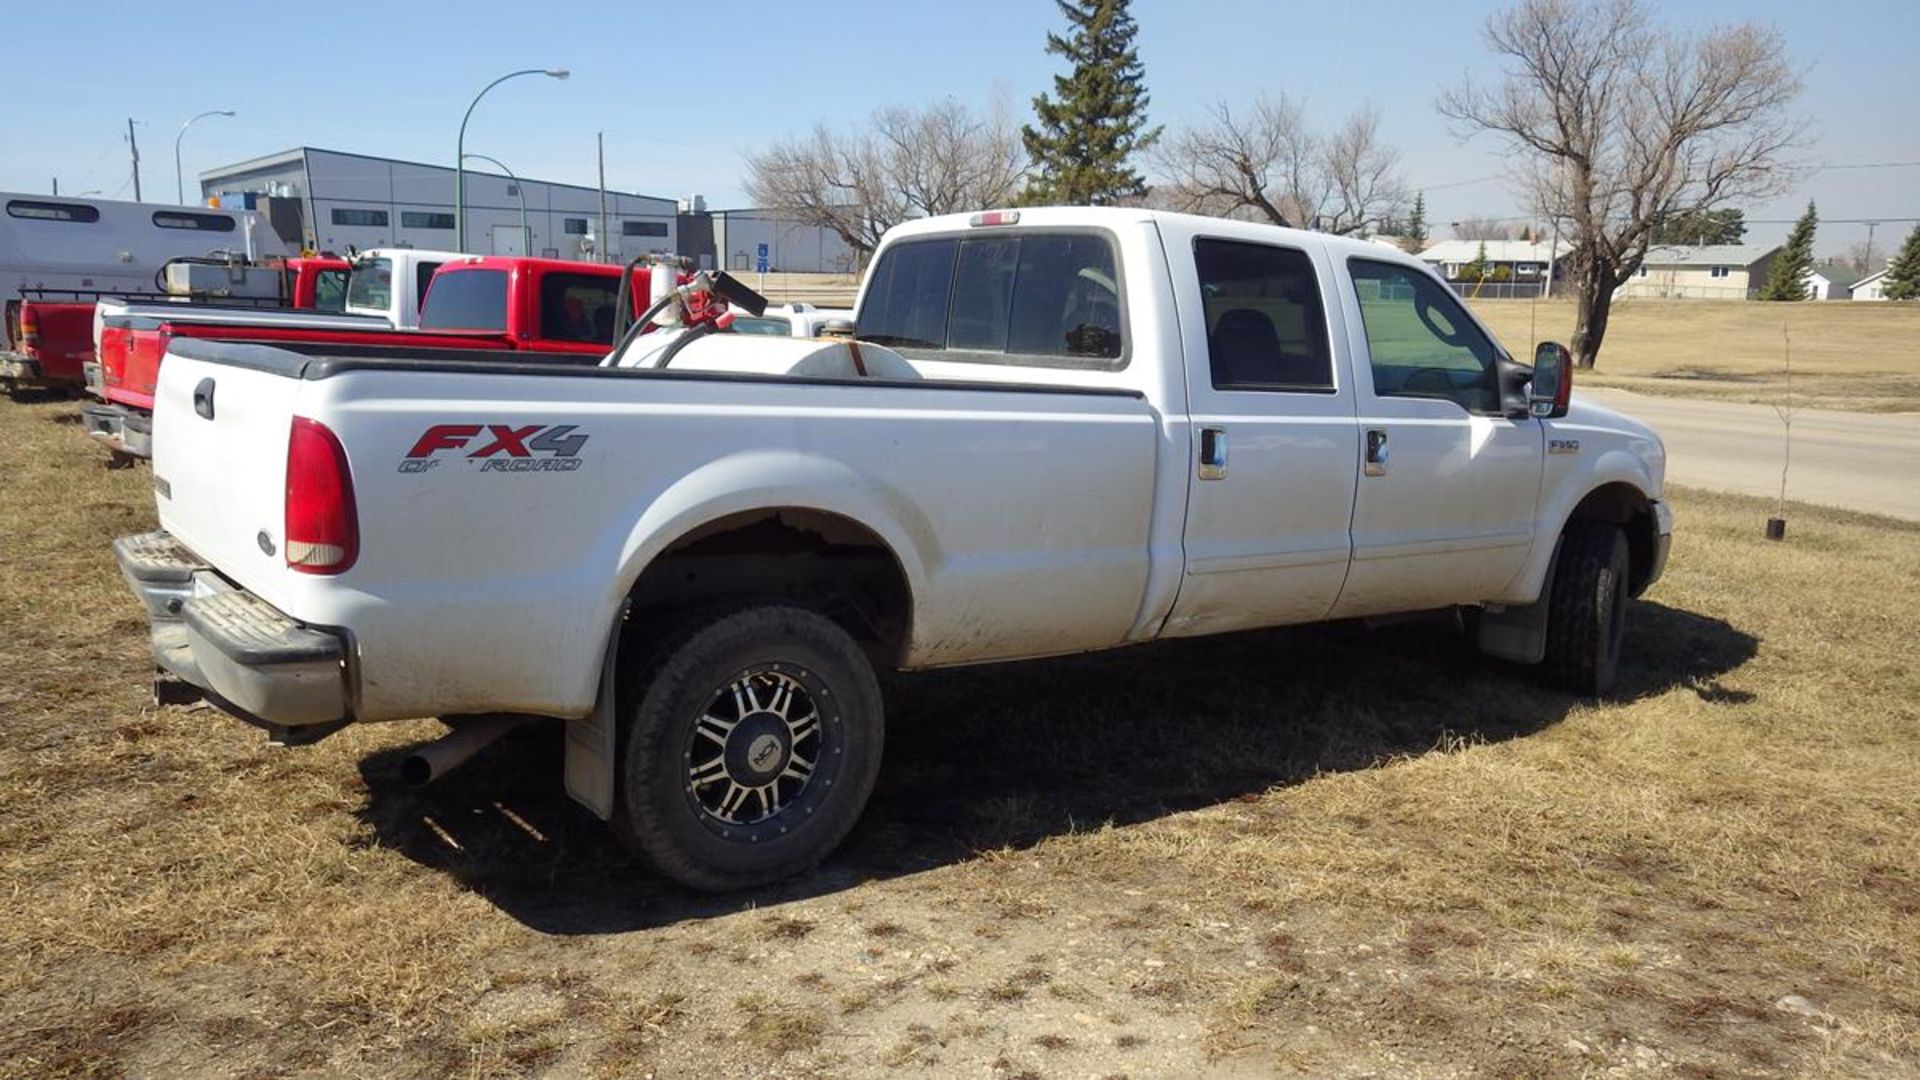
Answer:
x=1831 y=281
x=1704 y=272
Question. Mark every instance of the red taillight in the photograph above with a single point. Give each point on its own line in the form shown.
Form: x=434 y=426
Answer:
x=323 y=530
x=29 y=328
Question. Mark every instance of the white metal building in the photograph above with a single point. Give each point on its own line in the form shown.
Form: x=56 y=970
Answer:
x=791 y=246
x=355 y=200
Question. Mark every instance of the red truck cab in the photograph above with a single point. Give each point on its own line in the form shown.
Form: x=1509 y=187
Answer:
x=541 y=305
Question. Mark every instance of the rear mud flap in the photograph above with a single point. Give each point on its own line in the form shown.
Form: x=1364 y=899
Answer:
x=593 y=740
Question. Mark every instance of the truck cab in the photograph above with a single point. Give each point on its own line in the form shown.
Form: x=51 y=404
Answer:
x=390 y=283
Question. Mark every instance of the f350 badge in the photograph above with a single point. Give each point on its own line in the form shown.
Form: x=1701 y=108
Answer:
x=1563 y=446
x=499 y=447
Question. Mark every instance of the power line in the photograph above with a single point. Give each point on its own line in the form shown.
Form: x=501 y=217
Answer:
x=1833 y=221
x=1873 y=165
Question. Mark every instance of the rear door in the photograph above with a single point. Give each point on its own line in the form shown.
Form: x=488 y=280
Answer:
x=1444 y=511
x=1270 y=494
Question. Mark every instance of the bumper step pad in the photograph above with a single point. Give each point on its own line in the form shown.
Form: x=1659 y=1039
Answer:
x=249 y=630
x=156 y=556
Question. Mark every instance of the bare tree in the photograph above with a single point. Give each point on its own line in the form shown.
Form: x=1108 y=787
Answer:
x=1864 y=258
x=912 y=162
x=1621 y=125
x=1480 y=228
x=1266 y=164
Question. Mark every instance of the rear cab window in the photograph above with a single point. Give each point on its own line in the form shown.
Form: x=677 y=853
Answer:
x=1040 y=298
x=466 y=300
x=370 y=285
x=330 y=290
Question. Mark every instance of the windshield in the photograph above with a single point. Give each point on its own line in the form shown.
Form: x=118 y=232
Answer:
x=371 y=284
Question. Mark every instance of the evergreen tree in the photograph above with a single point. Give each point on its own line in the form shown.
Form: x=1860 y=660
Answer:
x=1097 y=115
x=1414 y=240
x=1700 y=227
x=1787 y=279
x=1476 y=270
x=1903 y=273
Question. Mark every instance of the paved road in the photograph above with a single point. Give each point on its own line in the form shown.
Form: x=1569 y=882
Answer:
x=1857 y=461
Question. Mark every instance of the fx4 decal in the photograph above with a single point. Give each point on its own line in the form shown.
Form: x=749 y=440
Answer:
x=499 y=447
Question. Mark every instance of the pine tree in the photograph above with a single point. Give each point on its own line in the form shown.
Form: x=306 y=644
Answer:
x=1414 y=240
x=1787 y=279
x=1903 y=273
x=1097 y=116
x=1476 y=270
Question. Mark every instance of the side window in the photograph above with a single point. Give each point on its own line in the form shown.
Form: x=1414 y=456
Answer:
x=1266 y=328
x=1049 y=299
x=467 y=300
x=423 y=277
x=1420 y=341
x=577 y=307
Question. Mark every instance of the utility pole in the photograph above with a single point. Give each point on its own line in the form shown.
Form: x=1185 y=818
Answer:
x=56 y=185
x=134 y=146
x=1867 y=261
x=605 y=240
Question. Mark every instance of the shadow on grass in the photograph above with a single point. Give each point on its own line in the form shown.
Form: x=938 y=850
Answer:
x=1005 y=756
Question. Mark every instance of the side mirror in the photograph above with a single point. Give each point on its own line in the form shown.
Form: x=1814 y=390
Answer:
x=1552 y=381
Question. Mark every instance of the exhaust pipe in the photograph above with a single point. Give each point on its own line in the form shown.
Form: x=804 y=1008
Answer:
x=450 y=751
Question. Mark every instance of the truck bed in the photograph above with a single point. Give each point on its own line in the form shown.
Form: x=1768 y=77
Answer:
x=1006 y=504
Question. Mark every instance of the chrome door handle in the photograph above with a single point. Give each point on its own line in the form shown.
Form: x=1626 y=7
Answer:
x=1213 y=453
x=1376 y=460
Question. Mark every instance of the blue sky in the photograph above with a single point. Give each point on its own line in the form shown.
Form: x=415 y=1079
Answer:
x=394 y=80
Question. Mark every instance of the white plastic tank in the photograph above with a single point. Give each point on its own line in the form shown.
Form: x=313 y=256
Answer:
x=762 y=354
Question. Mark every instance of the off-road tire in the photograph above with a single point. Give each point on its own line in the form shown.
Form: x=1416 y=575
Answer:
x=659 y=813
x=1587 y=609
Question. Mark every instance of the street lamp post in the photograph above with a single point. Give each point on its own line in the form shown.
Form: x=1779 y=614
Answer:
x=460 y=150
x=179 y=186
x=526 y=236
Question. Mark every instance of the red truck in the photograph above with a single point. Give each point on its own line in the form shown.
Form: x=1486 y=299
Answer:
x=48 y=333
x=565 y=310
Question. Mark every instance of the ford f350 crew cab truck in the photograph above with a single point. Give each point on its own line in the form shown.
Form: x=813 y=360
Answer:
x=1092 y=427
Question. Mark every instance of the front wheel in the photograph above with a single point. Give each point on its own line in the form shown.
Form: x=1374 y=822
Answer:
x=752 y=749
x=1587 y=609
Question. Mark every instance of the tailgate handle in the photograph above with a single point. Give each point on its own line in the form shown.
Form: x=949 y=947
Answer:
x=203 y=399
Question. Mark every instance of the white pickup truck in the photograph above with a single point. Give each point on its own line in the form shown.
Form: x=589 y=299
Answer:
x=1062 y=430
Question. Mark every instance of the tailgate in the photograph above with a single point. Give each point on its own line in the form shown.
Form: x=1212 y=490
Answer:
x=222 y=413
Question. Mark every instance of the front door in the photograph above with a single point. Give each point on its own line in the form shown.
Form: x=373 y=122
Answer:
x=1274 y=446
x=1448 y=484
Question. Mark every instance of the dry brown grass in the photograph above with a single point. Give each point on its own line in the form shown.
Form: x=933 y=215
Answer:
x=1330 y=851
x=1845 y=355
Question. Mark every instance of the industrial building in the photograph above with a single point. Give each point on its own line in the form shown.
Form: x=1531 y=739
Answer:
x=737 y=240
x=330 y=200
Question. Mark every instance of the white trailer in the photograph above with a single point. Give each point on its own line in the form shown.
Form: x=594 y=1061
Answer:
x=57 y=242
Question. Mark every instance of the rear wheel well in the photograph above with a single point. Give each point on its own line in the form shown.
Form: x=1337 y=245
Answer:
x=1622 y=504
x=823 y=561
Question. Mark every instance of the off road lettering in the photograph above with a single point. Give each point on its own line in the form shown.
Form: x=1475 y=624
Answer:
x=502 y=448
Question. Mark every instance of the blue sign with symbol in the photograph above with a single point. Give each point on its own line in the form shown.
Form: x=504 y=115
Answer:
x=760 y=259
